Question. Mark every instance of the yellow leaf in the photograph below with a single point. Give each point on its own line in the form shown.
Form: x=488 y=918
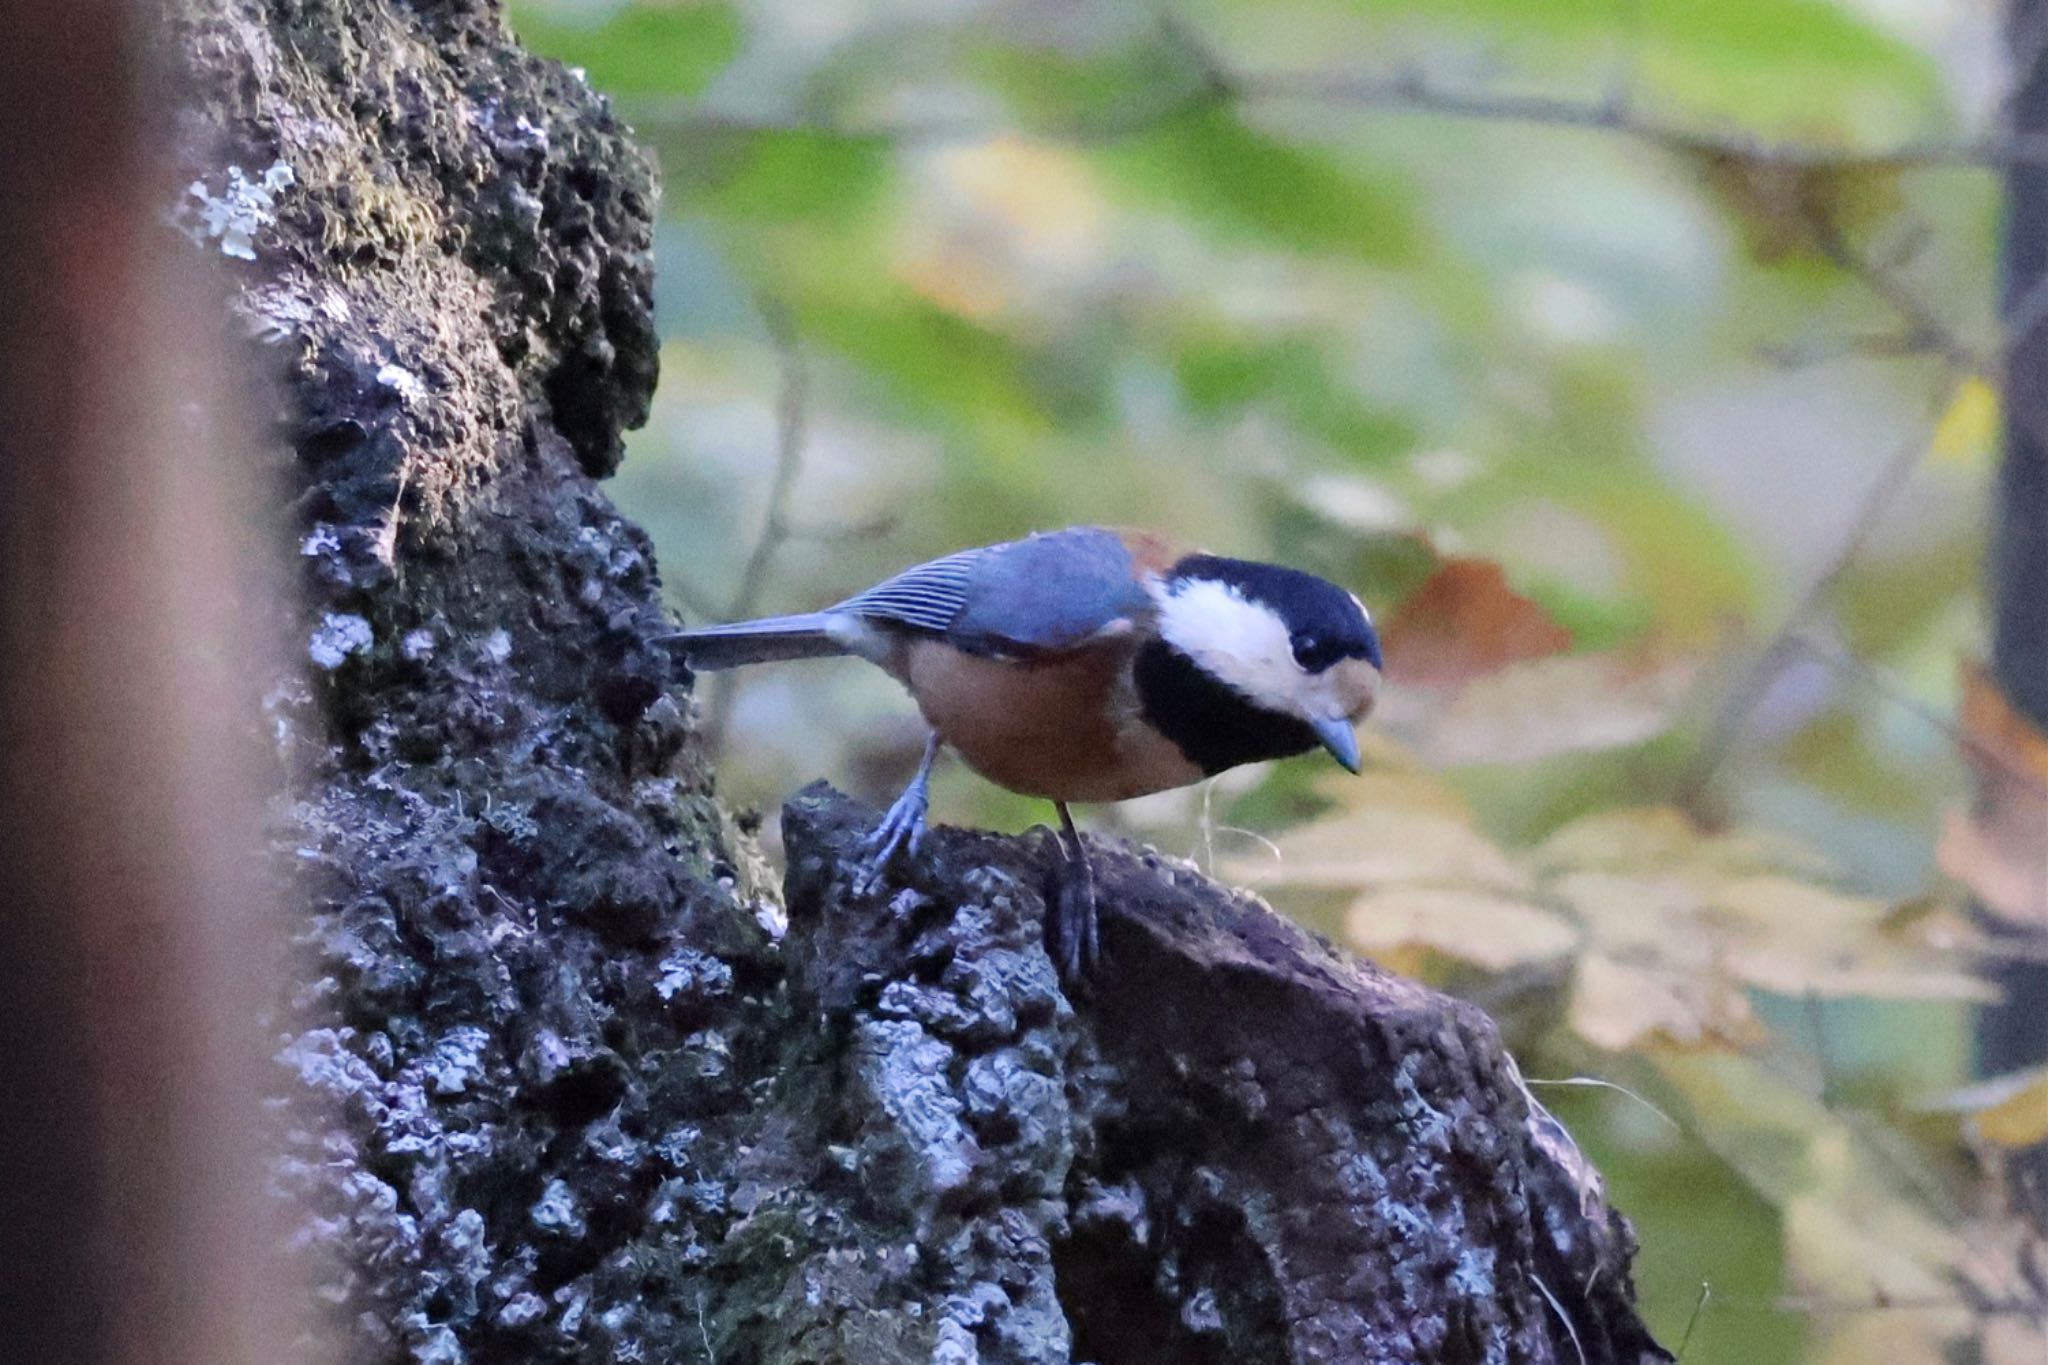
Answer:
x=1487 y=929
x=1798 y=938
x=1968 y=430
x=2010 y=1110
x=1386 y=846
x=2020 y=1120
x=1659 y=838
x=1398 y=825
x=1617 y=1005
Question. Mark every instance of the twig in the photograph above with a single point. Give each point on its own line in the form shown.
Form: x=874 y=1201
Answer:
x=1923 y=324
x=1596 y=1083
x=791 y=426
x=1699 y=1306
x=1851 y=666
x=1742 y=697
x=1562 y=1316
x=1215 y=82
x=1799 y=355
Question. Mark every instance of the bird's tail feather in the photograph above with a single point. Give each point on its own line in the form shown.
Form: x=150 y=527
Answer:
x=768 y=640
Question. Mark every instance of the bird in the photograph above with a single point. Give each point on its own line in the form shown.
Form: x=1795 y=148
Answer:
x=1090 y=664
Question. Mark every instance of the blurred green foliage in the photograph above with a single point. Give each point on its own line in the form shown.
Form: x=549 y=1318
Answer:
x=1355 y=287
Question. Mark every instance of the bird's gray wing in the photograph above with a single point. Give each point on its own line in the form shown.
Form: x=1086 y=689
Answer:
x=927 y=597
x=1039 y=595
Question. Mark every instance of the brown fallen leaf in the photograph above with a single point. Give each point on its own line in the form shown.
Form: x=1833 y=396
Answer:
x=1999 y=847
x=1465 y=622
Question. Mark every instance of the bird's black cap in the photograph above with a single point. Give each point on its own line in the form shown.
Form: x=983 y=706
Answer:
x=1326 y=622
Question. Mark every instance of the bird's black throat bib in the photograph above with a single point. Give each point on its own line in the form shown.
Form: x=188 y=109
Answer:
x=1214 y=724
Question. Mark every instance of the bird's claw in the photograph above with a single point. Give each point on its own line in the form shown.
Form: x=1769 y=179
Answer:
x=900 y=831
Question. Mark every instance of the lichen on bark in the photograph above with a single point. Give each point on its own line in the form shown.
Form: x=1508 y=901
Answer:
x=556 y=1084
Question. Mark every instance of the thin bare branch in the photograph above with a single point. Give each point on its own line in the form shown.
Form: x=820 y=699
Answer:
x=791 y=423
x=1734 y=710
x=1212 y=81
x=1699 y=1306
x=1924 y=325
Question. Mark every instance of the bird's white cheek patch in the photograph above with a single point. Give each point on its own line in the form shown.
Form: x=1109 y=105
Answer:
x=1235 y=640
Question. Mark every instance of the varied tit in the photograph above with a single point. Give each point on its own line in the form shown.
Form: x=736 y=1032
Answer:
x=1090 y=665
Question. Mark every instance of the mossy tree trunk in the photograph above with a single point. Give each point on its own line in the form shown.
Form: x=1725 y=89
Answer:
x=563 y=1085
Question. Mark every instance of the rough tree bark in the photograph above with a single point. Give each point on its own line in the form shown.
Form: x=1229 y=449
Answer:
x=563 y=1087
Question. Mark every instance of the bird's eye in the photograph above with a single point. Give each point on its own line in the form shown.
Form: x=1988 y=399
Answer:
x=1313 y=652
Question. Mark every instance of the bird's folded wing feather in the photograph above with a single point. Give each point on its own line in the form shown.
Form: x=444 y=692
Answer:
x=925 y=597
x=1042 y=594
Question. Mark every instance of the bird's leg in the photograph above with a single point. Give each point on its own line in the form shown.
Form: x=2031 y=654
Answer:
x=1071 y=930
x=902 y=829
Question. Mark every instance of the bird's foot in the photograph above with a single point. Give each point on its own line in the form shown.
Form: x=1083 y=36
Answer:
x=901 y=831
x=1072 y=924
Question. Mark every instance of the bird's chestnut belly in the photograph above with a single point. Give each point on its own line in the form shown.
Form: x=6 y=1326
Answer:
x=1064 y=728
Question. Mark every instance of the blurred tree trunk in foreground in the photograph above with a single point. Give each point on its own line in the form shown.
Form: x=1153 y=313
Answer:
x=2013 y=1034
x=564 y=1086
x=137 y=951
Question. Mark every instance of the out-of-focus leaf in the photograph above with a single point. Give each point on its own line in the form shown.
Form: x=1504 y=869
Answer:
x=1088 y=94
x=1487 y=929
x=1256 y=188
x=2010 y=1110
x=1395 y=830
x=1669 y=928
x=1662 y=839
x=1000 y=226
x=645 y=48
x=1779 y=205
x=1537 y=710
x=1224 y=374
x=1466 y=623
x=1796 y=68
x=1619 y=1005
x=1648 y=972
x=1969 y=426
x=819 y=179
x=1799 y=938
x=2007 y=1263
x=1997 y=848
x=1856 y=1229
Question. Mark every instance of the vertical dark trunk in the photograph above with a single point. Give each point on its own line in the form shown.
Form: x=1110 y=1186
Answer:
x=2014 y=1032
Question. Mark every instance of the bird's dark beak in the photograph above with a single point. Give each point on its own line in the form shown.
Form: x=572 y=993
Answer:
x=1341 y=740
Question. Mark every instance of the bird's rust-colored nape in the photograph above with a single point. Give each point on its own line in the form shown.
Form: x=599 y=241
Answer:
x=1150 y=553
